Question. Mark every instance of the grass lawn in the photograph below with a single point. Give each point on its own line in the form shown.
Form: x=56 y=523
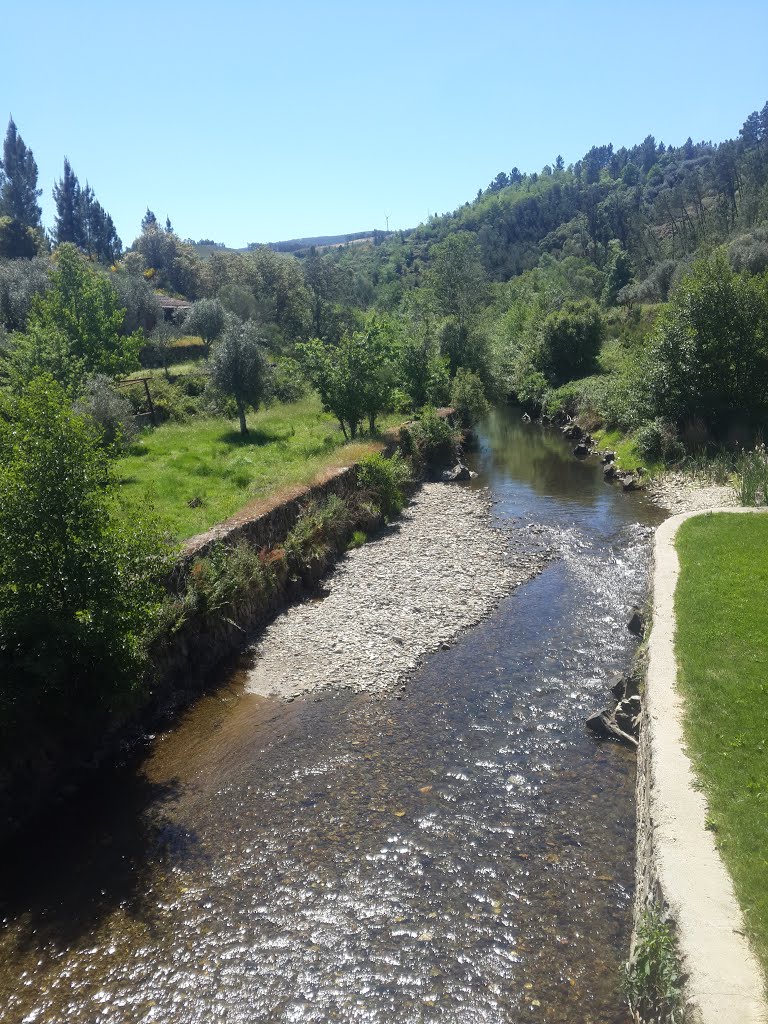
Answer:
x=209 y=461
x=722 y=648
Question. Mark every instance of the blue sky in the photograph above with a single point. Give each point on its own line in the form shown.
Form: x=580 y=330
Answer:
x=263 y=121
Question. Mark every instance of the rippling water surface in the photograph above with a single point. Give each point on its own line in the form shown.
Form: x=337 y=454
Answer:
x=463 y=854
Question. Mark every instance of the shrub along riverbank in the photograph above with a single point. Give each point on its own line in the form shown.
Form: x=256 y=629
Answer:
x=721 y=607
x=138 y=659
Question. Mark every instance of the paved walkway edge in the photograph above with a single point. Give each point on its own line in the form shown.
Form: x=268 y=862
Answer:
x=678 y=864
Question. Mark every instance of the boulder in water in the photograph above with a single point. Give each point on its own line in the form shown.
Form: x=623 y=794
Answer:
x=458 y=472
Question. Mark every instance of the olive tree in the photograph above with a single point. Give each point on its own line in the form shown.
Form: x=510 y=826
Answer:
x=206 y=318
x=239 y=367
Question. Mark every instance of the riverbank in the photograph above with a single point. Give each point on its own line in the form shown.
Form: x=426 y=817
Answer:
x=678 y=866
x=440 y=569
x=680 y=492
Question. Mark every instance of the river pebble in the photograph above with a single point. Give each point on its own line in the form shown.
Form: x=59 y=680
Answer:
x=439 y=569
x=679 y=492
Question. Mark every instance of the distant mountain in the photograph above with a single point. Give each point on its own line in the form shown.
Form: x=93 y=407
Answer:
x=324 y=241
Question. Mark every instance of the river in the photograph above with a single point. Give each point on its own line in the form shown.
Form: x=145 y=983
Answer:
x=463 y=854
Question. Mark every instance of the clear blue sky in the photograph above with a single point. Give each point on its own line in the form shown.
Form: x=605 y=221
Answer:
x=253 y=121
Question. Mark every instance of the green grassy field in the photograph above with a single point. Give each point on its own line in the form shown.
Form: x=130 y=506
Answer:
x=191 y=366
x=722 y=647
x=207 y=461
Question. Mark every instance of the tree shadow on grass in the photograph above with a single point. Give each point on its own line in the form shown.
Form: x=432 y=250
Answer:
x=255 y=438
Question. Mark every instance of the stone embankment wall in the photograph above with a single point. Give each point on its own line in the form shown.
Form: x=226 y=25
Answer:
x=678 y=866
x=202 y=642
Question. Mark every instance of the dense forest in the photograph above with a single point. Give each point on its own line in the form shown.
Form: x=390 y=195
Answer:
x=629 y=289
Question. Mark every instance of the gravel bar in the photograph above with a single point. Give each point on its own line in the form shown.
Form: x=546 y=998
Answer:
x=439 y=569
x=678 y=492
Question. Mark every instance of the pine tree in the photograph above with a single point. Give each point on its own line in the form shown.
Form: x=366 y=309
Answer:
x=82 y=220
x=68 y=199
x=101 y=239
x=18 y=181
x=149 y=220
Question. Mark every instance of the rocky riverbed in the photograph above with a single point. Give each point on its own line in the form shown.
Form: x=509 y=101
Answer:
x=442 y=567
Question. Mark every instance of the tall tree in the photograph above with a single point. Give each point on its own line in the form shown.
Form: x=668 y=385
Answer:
x=66 y=195
x=239 y=368
x=149 y=220
x=18 y=180
x=74 y=328
x=82 y=220
x=207 y=319
x=99 y=237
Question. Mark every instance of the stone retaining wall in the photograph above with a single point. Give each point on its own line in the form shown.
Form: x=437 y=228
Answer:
x=678 y=866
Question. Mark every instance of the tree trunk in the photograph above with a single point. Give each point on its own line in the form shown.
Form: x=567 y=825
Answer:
x=243 y=424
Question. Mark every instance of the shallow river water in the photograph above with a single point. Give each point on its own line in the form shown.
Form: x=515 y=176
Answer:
x=462 y=854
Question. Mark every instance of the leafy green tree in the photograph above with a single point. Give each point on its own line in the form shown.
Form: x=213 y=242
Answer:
x=136 y=295
x=79 y=584
x=354 y=377
x=458 y=281
x=618 y=272
x=240 y=300
x=239 y=368
x=708 y=359
x=74 y=328
x=468 y=396
x=422 y=372
x=18 y=181
x=207 y=319
x=570 y=341
x=169 y=262
x=457 y=277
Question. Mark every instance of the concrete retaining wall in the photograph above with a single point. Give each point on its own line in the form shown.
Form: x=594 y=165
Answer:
x=678 y=865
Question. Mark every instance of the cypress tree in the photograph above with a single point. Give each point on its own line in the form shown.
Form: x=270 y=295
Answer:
x=18 y=180
x=68 y=199
x=82 y=220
